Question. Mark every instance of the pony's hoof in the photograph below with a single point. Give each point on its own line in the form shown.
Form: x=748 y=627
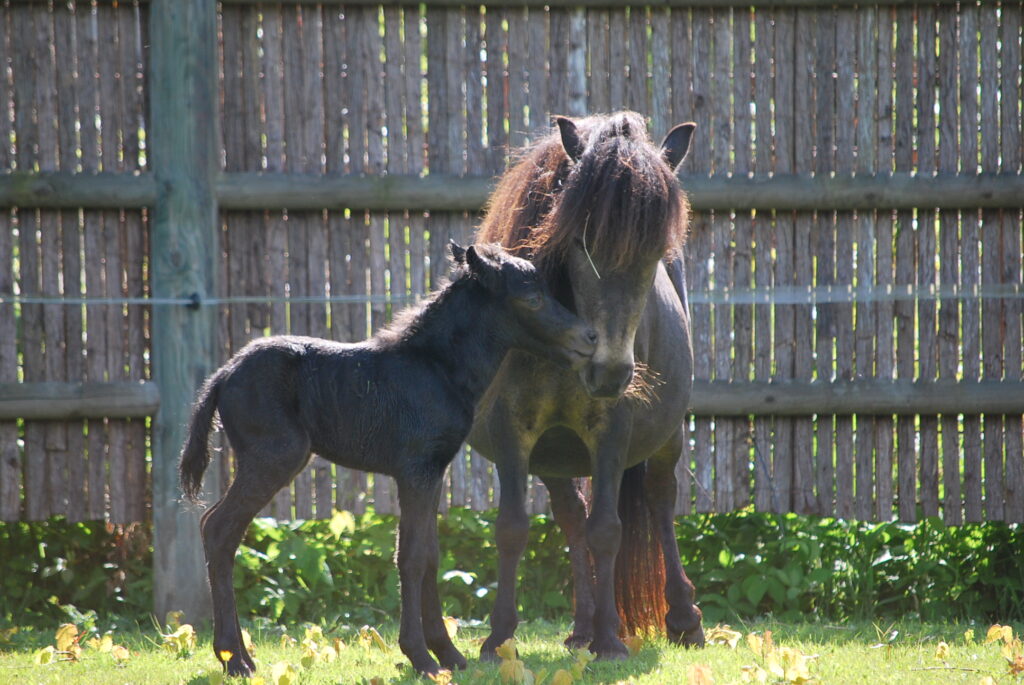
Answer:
x=610 y=650
x=452 y=659
x=487 y=650
x=236 y=667
x=427 y=667
x=578 y=641
x=690 y=638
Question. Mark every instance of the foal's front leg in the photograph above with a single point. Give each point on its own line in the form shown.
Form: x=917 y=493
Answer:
x=570 y=512
x=511 y=531
x=434 y=629
x=419 y=507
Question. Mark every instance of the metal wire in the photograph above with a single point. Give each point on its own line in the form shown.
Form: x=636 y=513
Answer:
x=780 y=295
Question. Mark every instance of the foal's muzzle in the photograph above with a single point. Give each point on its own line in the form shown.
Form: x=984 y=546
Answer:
x=607 y=381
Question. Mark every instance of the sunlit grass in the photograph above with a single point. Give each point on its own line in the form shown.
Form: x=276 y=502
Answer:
x=904 y=653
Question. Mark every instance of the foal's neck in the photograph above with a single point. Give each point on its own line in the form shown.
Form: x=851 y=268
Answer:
x=462 y=333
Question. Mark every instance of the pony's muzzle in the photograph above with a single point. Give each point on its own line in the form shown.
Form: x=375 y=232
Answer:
x=608 y=381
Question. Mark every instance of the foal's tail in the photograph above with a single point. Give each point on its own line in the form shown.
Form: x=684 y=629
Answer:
x=195 y=455
x=639 y=565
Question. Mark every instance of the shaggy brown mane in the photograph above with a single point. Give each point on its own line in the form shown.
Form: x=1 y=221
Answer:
x=620 y=192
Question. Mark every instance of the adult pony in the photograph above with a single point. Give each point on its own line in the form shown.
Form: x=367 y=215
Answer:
x=597 y=207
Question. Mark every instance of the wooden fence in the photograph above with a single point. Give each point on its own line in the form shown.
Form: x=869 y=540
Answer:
x=854 y=255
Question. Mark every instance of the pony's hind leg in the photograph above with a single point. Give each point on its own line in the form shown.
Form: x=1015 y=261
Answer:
x=683 y=620
x=569 y=509
x=223 y=527
x=434 y=630
x=418 y=506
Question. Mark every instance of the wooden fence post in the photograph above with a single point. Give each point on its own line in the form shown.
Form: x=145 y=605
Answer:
x=183 y=153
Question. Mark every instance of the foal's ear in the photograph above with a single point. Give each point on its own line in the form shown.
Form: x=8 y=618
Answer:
x=484 y=268
x=458 y=252
x=571 y=141
x=677 y=144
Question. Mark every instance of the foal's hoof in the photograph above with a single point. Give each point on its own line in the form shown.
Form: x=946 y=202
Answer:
x=427 y=667
x=452 y=659
x=685 y=628
x=609 y=650
x=689 y=638
x=578 y=640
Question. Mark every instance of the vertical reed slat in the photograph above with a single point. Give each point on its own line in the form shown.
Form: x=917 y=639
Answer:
x=884 y=266
x=926 y=276
x=804 y=473
x=722 y=120
x=846 y=33
x=949 y=259
x=1010 y=142
x=970 y=258
x=699 y=251
x=744 y=238
x=599 y=57
x=903 y=158
x=866 y=328
x=825 y=107
x=991 y=308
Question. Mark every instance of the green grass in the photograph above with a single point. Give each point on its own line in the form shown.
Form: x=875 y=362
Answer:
x=841 y=654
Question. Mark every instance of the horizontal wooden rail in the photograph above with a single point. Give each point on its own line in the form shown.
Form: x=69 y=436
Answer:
x=245 y=190
x=63 y=401
x=66 y=401
x=867 y=396
x=568 y=4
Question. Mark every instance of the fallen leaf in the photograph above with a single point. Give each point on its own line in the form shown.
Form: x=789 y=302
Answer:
x=452 y=626
x=442 y=677
x=562 y=677
x=283 y=673
x=942 y=651
x=634 y=643
x=969 y=635
x=46 y=655
x=754 y=674
x=700 y=674
x=723 y=635
x=120 y=654
x=66 y=637
x=1016 y=665
x=507 y=649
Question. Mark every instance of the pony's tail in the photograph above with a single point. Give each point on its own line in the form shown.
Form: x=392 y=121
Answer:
x=639 y=566
x=195 y=455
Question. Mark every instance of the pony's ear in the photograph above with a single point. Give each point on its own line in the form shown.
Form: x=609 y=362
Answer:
x=457 y=251
x=571 y=141
x=677 y=144
x=484 y=268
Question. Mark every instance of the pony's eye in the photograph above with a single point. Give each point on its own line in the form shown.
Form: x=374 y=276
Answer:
x=533 y=301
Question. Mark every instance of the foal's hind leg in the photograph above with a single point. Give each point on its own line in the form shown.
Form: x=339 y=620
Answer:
x=434 y=630
x=223 y=527
x=569 y=508
x=419 y=506
x=683 y=621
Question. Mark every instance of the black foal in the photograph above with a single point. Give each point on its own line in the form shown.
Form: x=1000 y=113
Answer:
x=400 y=403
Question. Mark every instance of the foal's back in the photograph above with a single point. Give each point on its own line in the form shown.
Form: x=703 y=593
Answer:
x=364 y=405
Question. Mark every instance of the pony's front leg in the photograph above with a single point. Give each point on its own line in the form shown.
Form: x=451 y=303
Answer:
x=570 y=512
x=604 y=535
x=683 y=621
x=511 y=531
x=418 y=506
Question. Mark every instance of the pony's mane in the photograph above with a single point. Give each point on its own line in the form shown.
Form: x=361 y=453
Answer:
x=620 y=194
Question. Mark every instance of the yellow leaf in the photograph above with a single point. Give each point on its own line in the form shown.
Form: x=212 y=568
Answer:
x=452 y=626
x=507 y=649
x=723 y=635
x=315 y=633
x=287 y=640
x=282 y=673
x=987 y=680
x=942 y=651
x=173 y=619
x=583 y=657
x=562 y=677
x=339 y=645
x=633 y=643
x=699 y=674
x=328 y=654
x=1016 y=665
x=247 y=642
x=754 y=674
x=756 y=643
x=998 y=632
x=369 y=637
x=969 y=635
x=67 y=635
x=120 y=653
x=442 y=677
x=102 y=644
x=46 y=655
x=512 y=671
x=7 y=633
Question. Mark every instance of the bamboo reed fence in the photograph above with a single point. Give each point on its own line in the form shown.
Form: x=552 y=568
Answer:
x=854 y=254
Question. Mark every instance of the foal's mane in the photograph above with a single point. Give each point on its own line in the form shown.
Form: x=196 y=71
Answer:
x=620 y=194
